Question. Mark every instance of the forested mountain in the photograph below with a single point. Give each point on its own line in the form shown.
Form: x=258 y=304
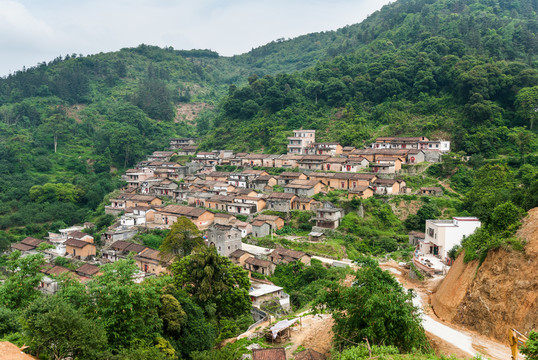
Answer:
x=453 y=69
x=443 y=68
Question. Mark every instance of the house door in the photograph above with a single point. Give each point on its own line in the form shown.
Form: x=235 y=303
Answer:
x=435 y=250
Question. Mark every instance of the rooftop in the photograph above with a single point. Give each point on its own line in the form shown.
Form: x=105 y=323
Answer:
x=259 y=289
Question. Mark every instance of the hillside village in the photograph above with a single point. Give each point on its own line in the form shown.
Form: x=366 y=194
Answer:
x=369 y=192
x=229 y=206
x=232 y=209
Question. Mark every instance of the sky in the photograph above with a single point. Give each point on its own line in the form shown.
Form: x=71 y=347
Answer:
x=33 y=31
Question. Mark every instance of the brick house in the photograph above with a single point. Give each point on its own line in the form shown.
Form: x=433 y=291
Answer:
x=280 y=201
x=80 y=249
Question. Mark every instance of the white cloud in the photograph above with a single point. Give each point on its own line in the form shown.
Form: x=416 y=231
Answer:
x=32 y=31
x=19 y=29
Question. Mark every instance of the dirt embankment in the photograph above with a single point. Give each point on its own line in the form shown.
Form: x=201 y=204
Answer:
x=501 y=294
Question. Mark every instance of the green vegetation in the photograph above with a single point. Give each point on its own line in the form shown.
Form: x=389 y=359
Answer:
x=113 y=317
x=464 y=71
x=530 y=349
x=218 y=286
x=151 y=238
x=183 y=237
x=426 y=68
x=305 y=283
x=375 y=307
x=500 y=201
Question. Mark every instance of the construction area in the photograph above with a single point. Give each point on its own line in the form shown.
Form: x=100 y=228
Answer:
x=467 y=313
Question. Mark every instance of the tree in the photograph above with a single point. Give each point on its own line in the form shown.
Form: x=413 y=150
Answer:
x=154 y=98
x=527 y=104
x=127 y=310
x=125 y=143
x=375 y=307
x=57 y=125
x=505 y=217
x=56 y=328
x=183 y=237
x=20 y=288
x=8 y=321
x=172 y=315
x=214 y=282
x=491 y=188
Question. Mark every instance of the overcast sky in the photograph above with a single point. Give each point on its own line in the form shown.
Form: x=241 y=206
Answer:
x=33 y=31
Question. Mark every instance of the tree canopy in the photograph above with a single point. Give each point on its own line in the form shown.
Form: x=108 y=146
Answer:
x=375 y=307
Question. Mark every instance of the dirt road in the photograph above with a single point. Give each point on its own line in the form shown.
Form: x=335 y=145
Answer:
x=451 y=339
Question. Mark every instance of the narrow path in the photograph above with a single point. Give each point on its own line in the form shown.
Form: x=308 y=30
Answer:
x=468 y=342
x=448 y=334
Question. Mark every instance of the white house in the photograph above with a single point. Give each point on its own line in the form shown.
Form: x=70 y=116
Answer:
x=442 y=235
x=264 y=291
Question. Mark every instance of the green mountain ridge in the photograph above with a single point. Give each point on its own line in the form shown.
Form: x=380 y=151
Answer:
x=408 y=61
x=441 y=68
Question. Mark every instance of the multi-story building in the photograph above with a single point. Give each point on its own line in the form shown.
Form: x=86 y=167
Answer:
x=179 y=143
x=443 y=235
x=417 y=143
x=225 y=238
x=301 y=141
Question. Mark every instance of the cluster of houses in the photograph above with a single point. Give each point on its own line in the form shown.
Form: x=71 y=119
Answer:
x=385 y=156
x=228 y=206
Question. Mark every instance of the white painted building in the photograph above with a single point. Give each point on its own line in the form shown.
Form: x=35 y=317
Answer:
x=443 y=235
x=301 y=141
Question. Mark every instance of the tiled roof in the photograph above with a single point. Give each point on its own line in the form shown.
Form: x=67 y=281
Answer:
x=238 y=253
x=288 y=252
x=88 y=269
x=183 y=210
x=268 y=217
x=77 y=235
x=291 y=174
x=285 y=196
x=302 y=184
x=259 y=223
x=269 y=354
x=309 y=354
x=77 y=243
x=384 y=181
x=258 y=262
x=30 y=241
x=56 y=270
x=155 y=255
x=22 y=247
